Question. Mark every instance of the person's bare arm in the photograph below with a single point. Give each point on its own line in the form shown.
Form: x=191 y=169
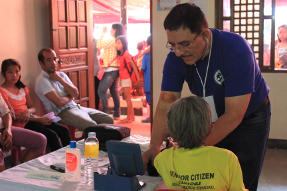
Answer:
x=235 y=109
x=24 y=117
x=69 y=88
x=159 y=127
x=12 y=112
x=136 y=71
x=147 y=50
x=58 y=101
x=30 y=104
x=7 y=132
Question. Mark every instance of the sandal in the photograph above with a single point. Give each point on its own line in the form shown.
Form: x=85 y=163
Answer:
x=125 y=121
x=116 y=118
x=146 y=120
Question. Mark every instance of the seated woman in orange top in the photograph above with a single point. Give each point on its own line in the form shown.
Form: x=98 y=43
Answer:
x=17 y=97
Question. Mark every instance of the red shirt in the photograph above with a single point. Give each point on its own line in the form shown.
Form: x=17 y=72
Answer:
x=126 y=57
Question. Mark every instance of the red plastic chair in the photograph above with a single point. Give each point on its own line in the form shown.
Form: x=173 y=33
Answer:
x=15 y=152
x=72 y=130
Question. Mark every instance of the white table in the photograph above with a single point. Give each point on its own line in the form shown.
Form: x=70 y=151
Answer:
x=14 y=178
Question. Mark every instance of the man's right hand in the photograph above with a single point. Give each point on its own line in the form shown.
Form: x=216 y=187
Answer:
x=55 y=76
x=150 y=154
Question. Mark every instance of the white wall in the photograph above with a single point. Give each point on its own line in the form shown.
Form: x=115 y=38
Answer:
x=278 y=94
x=276 y=82
x=24 y=32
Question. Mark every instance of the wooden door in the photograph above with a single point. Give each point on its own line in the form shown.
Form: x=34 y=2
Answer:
x=71 y=36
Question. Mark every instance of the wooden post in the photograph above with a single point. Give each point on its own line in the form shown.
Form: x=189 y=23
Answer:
x=124 y=14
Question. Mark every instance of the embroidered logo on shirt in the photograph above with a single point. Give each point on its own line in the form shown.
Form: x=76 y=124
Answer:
x=218 y=77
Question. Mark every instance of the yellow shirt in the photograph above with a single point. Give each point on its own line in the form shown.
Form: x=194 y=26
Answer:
x=109 y=46
x=203 y=168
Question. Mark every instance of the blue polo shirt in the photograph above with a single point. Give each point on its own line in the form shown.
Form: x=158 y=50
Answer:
x=233 y=71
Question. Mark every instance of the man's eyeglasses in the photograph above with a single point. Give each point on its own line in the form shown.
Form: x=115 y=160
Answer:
x=185 y=45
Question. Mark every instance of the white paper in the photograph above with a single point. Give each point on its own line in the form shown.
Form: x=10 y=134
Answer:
x=46 y=175
x=52 y=116
x=167 y=3
x=56 y=119
x=210 y=101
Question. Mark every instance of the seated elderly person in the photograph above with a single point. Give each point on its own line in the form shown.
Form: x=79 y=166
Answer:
x=17 y=136
x=191 y=165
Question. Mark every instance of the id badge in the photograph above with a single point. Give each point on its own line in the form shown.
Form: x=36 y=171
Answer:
x=211 y=103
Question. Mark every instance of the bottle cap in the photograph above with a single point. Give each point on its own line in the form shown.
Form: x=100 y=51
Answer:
x=92 y=134
x=73 y=144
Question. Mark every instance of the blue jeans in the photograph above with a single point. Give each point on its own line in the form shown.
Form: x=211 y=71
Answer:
x=110 y=80
x=248 y=142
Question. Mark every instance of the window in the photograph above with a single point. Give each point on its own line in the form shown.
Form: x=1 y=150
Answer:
x=263 y=24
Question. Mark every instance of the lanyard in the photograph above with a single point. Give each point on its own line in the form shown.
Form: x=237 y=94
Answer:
x=203 y=84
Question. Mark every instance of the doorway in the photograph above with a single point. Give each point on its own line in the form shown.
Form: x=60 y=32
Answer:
x=138 y=29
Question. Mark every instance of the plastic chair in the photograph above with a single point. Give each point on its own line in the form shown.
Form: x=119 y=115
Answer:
x=15 y=152
x=71 y=129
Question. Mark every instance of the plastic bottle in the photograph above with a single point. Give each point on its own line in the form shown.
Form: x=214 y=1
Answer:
x=91 y=156
x=73 y=163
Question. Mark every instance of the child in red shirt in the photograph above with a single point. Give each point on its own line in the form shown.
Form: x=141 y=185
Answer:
x=126 y=64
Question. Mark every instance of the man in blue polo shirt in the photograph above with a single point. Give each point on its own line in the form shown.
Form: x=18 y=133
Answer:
x=220 y=67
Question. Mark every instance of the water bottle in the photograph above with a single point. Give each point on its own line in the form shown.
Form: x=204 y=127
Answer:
x=91 y=157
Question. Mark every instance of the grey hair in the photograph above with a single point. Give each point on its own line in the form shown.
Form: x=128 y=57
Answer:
x=189 y=121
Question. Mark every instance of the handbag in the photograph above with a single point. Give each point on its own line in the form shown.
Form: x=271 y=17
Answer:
x=107 y=132
x=102 y=70
x=101 y=73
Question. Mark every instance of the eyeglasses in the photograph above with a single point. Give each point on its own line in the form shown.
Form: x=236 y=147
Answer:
x=184 y=45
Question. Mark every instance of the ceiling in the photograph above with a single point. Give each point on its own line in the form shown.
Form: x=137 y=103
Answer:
x=108 y=11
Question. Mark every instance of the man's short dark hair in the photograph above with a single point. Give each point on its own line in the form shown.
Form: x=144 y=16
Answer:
x=41 y=56
x=148 y=40
x=185 y=15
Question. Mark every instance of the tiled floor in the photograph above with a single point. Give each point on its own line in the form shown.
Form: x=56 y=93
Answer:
x=274 y=172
